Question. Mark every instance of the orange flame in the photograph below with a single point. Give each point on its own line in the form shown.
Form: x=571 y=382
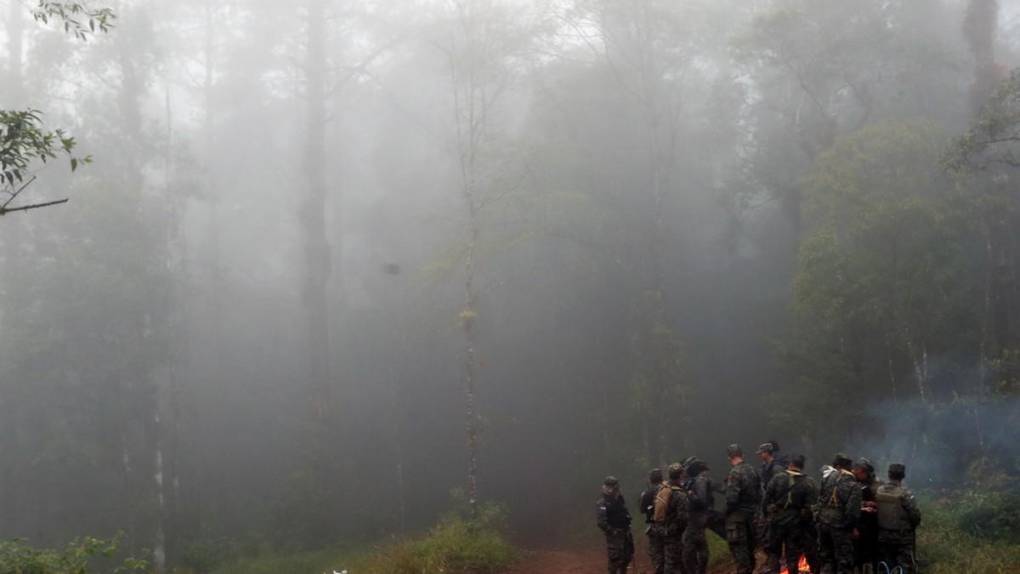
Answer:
x=802 y=567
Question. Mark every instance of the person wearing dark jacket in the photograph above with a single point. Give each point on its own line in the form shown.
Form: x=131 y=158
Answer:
x=614 y=522
x=866 y=542
x=656 y=545
x=700 y=506
x=789 y=499
x=837 y=513
x=743 y=503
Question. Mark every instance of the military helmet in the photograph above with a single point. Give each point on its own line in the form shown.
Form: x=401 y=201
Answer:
x=734 y=450
x=766 y=447
x=611 y=481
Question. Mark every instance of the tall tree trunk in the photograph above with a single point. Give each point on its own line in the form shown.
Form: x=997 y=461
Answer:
x=318 y=255
x=470 y=111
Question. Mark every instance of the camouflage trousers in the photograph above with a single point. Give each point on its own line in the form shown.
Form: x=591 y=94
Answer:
x=695 y=546
x=620 y=547
x=740 y=534
x=835 y=550
x=791 y=540
x=674 y=551
x=657 y=551
x=899 y=553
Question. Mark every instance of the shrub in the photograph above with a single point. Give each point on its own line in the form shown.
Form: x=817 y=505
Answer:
x=951 y=541
x=17 y=557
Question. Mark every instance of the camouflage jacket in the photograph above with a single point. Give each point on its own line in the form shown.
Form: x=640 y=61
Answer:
x=770 y=470
x=647 y=501
x=790 y=497
x=612 y=513
x=671 y=509
x=839 y=499
x=897 y=509
x=701 y=498
x=743 y=490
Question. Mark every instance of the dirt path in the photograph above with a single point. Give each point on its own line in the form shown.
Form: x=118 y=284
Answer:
x=582 y=561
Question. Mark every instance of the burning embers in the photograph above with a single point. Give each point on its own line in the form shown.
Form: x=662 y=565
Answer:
x=802 y=567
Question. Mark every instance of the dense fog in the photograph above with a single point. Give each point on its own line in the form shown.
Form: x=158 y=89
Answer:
x=333 y=261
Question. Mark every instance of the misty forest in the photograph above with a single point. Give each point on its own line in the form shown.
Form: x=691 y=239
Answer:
x=391 y=286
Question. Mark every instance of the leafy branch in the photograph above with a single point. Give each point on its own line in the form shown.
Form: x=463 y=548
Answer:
x=79 y=19
x=24 y=141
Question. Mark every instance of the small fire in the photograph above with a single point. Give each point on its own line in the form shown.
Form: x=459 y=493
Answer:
x=802 y=567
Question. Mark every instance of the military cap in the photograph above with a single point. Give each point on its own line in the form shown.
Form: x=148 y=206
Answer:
x=841 y=460
x=611 y=481
x=734 y=450
x=766 y=447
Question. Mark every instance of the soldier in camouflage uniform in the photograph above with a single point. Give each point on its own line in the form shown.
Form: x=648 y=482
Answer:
x=771 y=465
x=743 y=501
x=866 y=543
x=837 y=513
x=701 y=502
x=656 y=545
x=898 y=519
x=671 y=519
x=789 y=499
x=614 y=521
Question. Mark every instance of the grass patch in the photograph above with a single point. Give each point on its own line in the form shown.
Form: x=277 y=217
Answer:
x=971 y=532
x=457 y=545
x=718 y=551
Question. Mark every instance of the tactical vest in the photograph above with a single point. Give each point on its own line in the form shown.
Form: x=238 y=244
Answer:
x=831 y=509
x=892 y=515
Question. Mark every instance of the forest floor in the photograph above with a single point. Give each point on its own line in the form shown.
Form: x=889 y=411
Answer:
x=579 y=561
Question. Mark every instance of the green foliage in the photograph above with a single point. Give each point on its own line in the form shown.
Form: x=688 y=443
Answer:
x=16 y=557
x=991 y=516
x=24 y=141
x=995 y=139
x=883 y=272
x=78 y=18
x=955 y=537
x=459 y=544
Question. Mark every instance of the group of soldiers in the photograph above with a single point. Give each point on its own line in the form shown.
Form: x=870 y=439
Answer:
x=849 y=523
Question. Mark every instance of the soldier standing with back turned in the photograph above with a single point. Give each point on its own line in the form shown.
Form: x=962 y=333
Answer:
x=743 y=501
x=701 y=501
x=866 y=542
x=614 y=521
x=671 y=519
x=656 y=548
x=839 y=507
x=789 y=499
x=898 y=519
